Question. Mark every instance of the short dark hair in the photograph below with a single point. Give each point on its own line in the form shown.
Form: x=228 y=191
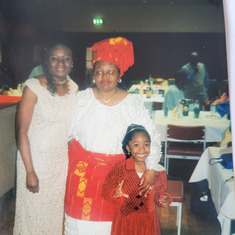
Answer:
x=130 y=132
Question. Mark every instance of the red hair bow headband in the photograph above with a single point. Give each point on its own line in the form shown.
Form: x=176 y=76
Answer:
x=118 y=51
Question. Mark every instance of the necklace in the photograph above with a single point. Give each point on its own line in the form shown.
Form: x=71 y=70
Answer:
x=107 y=100
x=57 y=83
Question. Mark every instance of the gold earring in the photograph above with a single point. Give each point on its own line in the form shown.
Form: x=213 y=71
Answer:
x=94 y=81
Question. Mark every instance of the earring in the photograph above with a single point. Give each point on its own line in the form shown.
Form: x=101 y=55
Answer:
x=120 y=80
x=93 y=81
x=71 y=66
x=129 y=153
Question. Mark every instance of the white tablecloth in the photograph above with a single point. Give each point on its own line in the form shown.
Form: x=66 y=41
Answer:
x=221 y=184
x=214 y=126
x=148 y=102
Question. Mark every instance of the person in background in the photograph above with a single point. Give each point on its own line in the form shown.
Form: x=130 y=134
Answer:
x=43 y=117
x=197 y=82
x=135 y=214
x=175 y=92
x=37 y=71
x=96 y=133
x=222 y=104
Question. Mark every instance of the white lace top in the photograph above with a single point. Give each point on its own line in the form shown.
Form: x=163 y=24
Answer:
x=101 y=128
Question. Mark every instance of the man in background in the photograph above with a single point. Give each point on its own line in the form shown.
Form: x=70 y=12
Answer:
x=197 y=82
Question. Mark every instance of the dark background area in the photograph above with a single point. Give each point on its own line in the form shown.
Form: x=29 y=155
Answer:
x=157 y=54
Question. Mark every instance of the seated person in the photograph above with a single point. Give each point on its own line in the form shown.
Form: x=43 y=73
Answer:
x=37 y=71
x=222 y=105
x=175 y=92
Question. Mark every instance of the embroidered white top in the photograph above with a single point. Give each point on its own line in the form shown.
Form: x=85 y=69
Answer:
x=101 y=128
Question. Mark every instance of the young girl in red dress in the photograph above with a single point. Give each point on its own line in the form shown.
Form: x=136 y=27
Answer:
x=136 y=214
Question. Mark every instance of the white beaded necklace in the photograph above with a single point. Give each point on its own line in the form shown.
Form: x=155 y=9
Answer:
x=57 y=83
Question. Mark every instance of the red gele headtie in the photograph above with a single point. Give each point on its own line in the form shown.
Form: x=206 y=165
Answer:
x=118 y=51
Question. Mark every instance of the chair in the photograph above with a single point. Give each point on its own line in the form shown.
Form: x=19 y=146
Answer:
x=176 y=189
x=157 y=106
x=184 y=142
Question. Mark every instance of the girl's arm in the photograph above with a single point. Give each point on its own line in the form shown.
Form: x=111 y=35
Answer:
x=112 y=186
x=24 y=116
x=162 y=197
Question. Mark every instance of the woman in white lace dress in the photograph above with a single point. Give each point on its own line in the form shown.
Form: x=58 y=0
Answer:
x=44 y=114
x=102 y=116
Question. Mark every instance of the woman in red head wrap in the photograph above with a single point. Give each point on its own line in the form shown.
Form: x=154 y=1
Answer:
x=103 y=114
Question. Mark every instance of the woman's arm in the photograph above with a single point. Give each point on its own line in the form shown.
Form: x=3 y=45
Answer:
x=24 y=116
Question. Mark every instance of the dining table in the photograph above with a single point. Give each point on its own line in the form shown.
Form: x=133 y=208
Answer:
x=221 y=185
x=156 y=88
x=148 y=101
x=215 y=125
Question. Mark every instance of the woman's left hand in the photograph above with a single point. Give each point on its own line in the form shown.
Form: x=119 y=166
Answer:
x=147 y=182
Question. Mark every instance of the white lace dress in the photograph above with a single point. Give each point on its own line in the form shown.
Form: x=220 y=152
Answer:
x=101 y=128
x=42 y=213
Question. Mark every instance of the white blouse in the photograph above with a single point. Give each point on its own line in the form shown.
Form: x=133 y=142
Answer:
x=101 y=128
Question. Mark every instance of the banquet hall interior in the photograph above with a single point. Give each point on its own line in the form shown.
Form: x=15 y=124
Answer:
x=163 y=33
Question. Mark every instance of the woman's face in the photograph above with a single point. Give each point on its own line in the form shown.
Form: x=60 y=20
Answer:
x=60 y=62
x=106 y=75
x=139 y=147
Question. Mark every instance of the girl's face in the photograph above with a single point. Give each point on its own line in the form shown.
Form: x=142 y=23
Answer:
x=139 y=147
x=60 y=62
x=106 y=75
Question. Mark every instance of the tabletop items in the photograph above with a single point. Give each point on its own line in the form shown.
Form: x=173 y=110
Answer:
x=9 y=95
x=215 y=126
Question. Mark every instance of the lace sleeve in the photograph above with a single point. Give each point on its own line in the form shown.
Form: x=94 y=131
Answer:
x=33 y=84
x=111 y=182
x=160 y=185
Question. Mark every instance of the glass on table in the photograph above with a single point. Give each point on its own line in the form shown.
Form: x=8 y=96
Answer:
x=196 y=112
x=165 y=112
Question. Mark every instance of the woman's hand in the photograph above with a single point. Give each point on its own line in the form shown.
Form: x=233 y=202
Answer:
x=118 y=192
x=32 y=182
x=165 y=200
x=147 y=182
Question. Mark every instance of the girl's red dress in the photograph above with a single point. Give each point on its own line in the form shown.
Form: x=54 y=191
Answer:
x=135 y=215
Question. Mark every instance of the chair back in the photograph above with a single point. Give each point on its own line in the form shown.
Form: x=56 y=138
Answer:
x=157 y=106
x=184 y=142
x=185 y=132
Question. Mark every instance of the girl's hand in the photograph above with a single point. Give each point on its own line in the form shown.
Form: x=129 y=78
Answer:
x=32 y=182
x=147 y=182
x=165 y=200
x=118 y=192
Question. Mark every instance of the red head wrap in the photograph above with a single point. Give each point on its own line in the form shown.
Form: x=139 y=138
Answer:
x=118 y=51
